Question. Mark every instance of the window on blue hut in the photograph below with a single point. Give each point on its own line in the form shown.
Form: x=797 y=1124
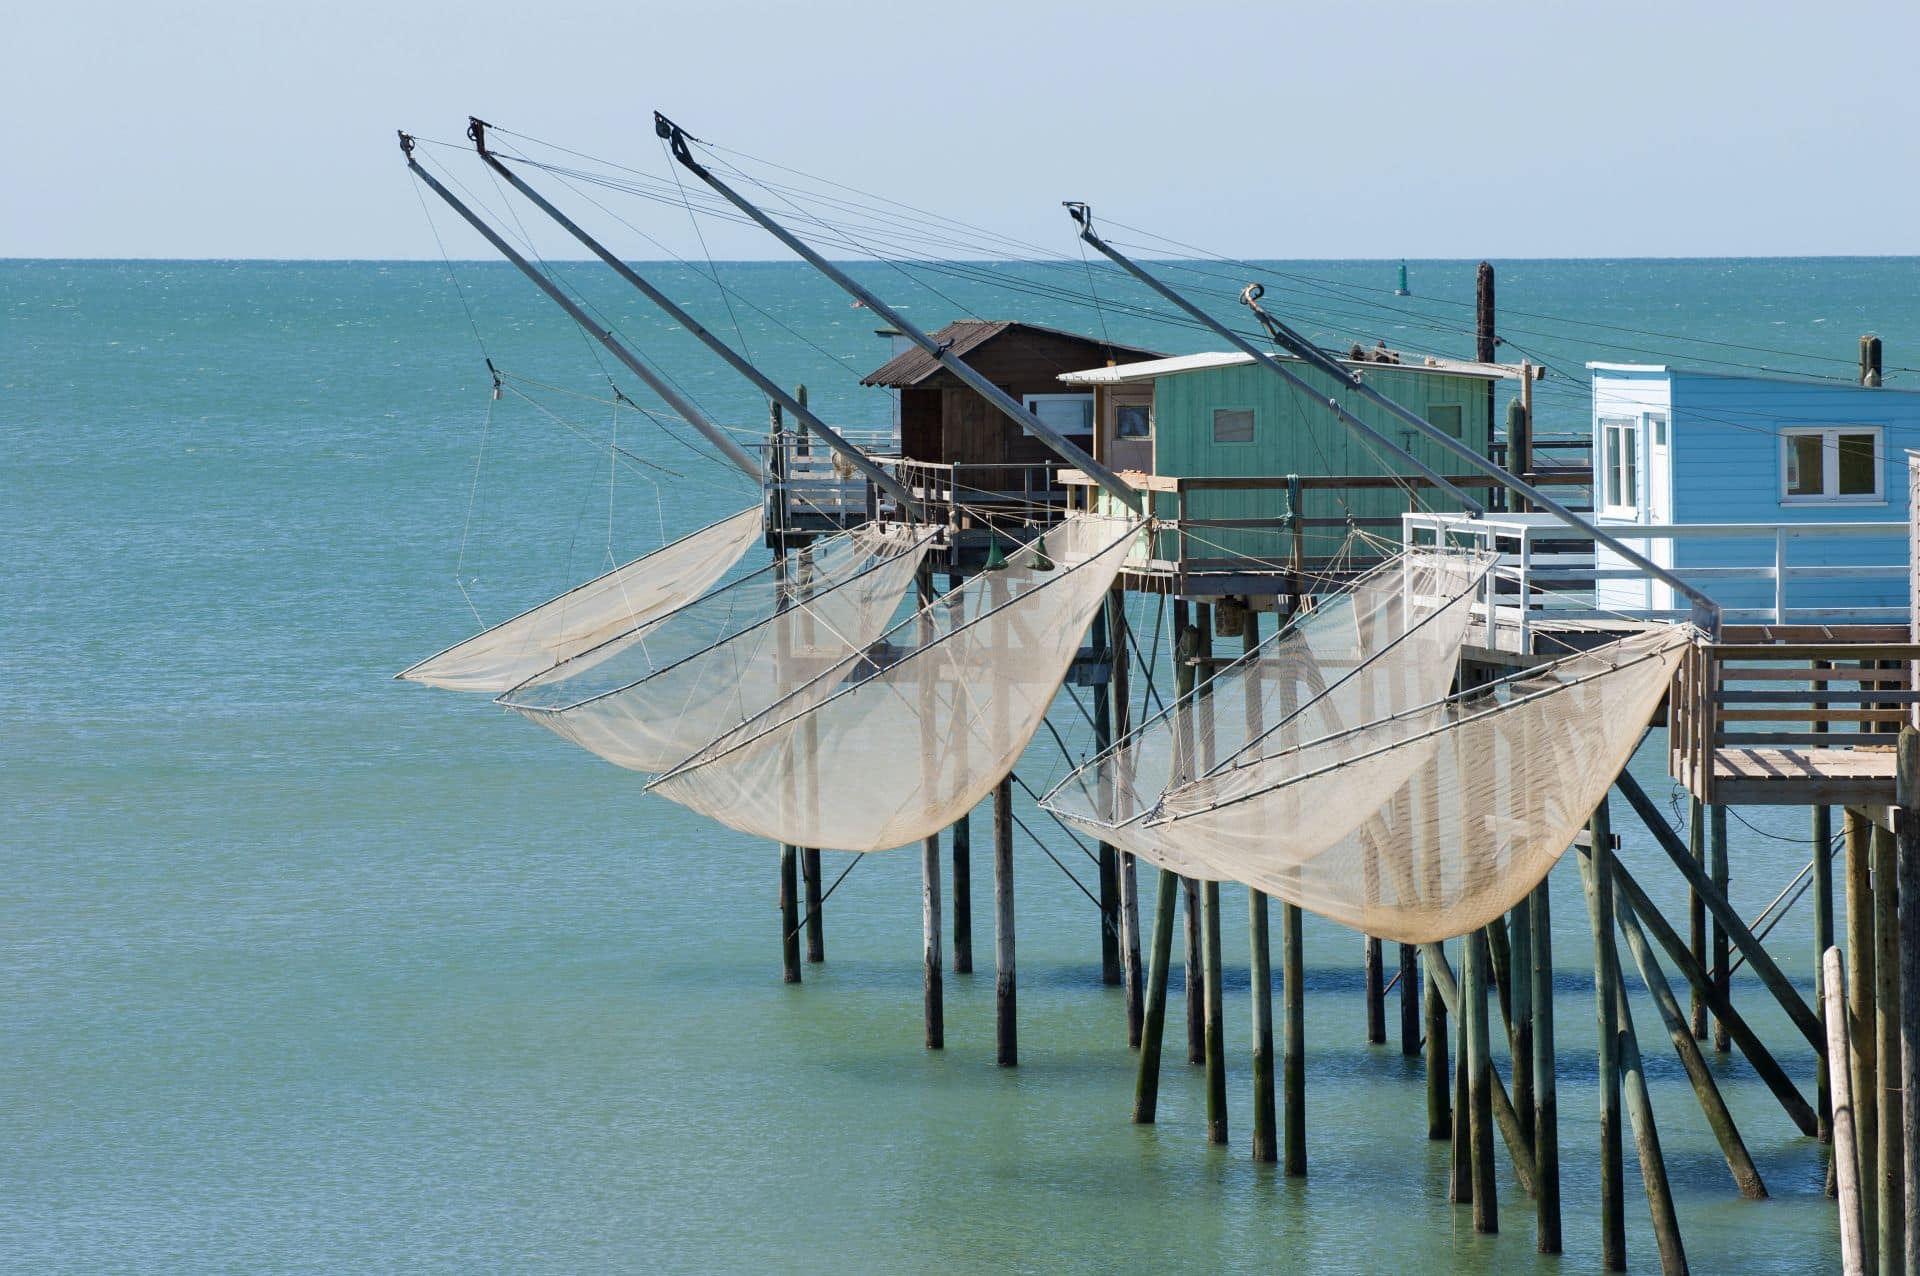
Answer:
x=1619 y=465
x=1233 y=425
x=1445 y=416
x=1830 y=463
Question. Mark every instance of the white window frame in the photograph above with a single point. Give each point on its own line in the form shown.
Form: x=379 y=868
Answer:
x=1117 y=400
x=1028 y=401
x=1629 y=427
x=1830 y=464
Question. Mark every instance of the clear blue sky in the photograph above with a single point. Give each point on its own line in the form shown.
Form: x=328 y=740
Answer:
x=1385 y=129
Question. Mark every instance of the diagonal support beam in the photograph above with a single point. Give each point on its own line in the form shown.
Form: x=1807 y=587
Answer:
x=1518 y=1150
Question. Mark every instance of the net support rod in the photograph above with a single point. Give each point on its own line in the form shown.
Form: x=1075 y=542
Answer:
x=1083 y=217
x=476 y=130
x=634 y=364
x=1112 y=483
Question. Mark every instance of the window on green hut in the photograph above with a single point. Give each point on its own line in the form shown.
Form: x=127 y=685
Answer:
x=1445 y=416
x=1233 y=425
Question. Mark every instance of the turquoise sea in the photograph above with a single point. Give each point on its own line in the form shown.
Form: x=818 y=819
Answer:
x=303 y=969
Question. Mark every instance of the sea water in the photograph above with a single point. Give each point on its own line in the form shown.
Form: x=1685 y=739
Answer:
x=308 y=970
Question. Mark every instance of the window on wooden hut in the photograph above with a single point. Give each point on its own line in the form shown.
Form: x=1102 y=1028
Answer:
x=1830 y=463
x=1133 y=420
x=1233 y=425
x=1071 y=414
x=1446 y=417
x=1620 y=476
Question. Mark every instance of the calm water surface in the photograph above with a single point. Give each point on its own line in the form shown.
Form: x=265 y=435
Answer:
x=309 y=970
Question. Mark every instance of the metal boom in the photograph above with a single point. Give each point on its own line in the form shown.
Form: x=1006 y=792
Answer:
x=477 y=130
x=674 y=399
x=1114 y=485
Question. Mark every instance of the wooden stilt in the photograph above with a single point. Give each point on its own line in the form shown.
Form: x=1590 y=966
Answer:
x=1409 y=1001
x=1718 y=868
x=816 y=925
x=1906 y=826
x=1891 y=1208
x=1860 y=1027
x=1293 y=1035
x=1504 y=1118
x=1646 y=1143
x=1697 y=910
x=1460 y=1163
x=962 y=833
x=1846 y=1145
x=1822 y=889
x=1216 y=1016
x=1376 y=981
x=1146 y=1089
x=1196 y=974
x=1439 y=1075
x=1520 y=932
x=1613 y=1221
x=1546 y=1110
x=1478 y=972
x=1266 y=1145
x=1119 y=692
x=1006 y=1024
x=789 y=914
x=1109 y=859
x=933 y=992
x=1745 y=1176
x=1186 y=650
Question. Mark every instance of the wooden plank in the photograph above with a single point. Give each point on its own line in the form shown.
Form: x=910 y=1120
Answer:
x=1817 y=651
x=1804 y=739
x=1813 y=715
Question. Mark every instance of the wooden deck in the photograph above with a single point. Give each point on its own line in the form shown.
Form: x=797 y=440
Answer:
x=1797 y=777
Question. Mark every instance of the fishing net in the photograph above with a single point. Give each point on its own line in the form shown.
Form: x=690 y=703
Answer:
x=1386 y=644
x=588 y=615
x=650 y=697
x=1433 y=822
x=895 y=744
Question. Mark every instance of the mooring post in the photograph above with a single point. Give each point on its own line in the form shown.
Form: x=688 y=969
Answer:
x=1476 y=971
x=1119 y=692
x=1906 y=824
x=1293 y=1032
x=1375 y=973
x=1006 y=1025
x=1697 y=909
x=1439 y=1074
x=1546 y=1110
x=1718 y=869
x=1887 y=1052
x=1860 y=1025
x=1613 y=1219
x=1409 y=1001
x=1520 y=974
x=1846 y=1142
x=1146 y=1088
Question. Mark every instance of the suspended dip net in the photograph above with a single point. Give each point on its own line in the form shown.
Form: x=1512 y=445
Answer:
x=896 y=743
x=650 y=697
x=1431 y=823
x=588 y=615
x=1387 y=643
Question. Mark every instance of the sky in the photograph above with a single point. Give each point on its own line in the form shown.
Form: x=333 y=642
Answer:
x=1281 y=130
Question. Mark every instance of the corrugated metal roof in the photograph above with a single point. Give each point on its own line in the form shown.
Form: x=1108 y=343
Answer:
x=1128 y=372
x=916 y=365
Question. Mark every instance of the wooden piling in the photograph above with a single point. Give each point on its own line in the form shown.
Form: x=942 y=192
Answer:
x=1409 y=1001
x=1745 y=1175
x=1439 y=1075
x=1865 y=1081
x=789 y=914
x=1375 y=975
x=1890 y=1157
x=1477 y=972
x=1822 y=890
x=1906 y=825
x=1546 y=1110
x=932 y=990
x=1186 y=651
x=962 y=833
x=1109 y=859
x=1120 y=693
x=1846 y=1143
x=1460 y=1159
x=1505 y=1120
x=1216 y=1016
x=1520 y=976
x=1613 y=1221
x=1006 y=1025
x=1146 y=1088
x=816 y=925
x=1266 y=1146
x=1293 y=1039
x=1646 y=1143
x=1697 y=910
x=1719 y=870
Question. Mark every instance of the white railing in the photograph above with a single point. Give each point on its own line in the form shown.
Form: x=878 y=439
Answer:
x=815 y=484
x=1542 y=574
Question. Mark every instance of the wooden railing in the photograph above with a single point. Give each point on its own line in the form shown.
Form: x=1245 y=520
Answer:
x=1786 y=697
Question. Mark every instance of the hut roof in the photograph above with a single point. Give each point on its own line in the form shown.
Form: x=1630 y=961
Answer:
x=1226 y=359
x=914 y=366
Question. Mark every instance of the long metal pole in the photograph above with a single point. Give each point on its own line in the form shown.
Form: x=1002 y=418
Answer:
x=674 y=399
x=878 y=477
x=1112 y=483
x=1083 y=217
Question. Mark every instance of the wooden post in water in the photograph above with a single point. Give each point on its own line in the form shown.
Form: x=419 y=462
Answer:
x=1376 y=980
x=1865 y=1082
x=1215 y=1049
x=1646 y=1143
x=1460 y=1164
x=1606 y=974
x=789 y=913
x=1887 y=1053
x=933 y=994
x=1718 y=868
x=1006 y=1025
x=1546 y=1109
x=1119 y=692
x=1520 y=978
x=1293 y=1033
x=1476 y=970
x=1906 y=825
x=1266 y=1141
x=1846 y=1143
x=1697 y=910
x=816 y=925
x=962 y=834
x=1439 y=1074
x=1146 y=1088
x=1109 y=858
x=1186 y=650
x=1409 y=1001
x=1486 y=342
x=1822 y=839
